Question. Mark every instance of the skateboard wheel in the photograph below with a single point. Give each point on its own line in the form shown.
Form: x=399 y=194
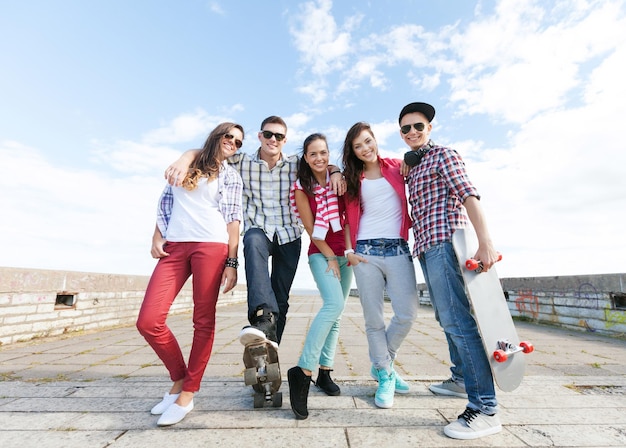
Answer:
x=273 y=372
x=500 y=356
x=249 y=376
x=277 y=400
x=259 y=399
x=527 y=347
x=475 y=265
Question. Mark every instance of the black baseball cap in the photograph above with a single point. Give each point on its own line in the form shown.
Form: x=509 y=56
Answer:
x=424 y=108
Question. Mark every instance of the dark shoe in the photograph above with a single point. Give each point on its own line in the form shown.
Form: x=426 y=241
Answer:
x=265 y=321
x=326 y=384
x=299 y=384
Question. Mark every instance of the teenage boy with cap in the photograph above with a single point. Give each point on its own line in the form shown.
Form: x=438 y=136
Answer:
x=440 y=194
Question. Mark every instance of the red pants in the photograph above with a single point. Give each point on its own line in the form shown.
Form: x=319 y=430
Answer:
x=206 y=262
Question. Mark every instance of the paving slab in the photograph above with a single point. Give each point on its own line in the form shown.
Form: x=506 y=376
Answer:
x=96 y=389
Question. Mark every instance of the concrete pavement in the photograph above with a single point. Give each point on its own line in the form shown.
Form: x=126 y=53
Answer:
x=96 y=390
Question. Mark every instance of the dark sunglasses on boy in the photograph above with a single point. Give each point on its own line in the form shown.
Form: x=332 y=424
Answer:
x=270 y=134
x=419 y=127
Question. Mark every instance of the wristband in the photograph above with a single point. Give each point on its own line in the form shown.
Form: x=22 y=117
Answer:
x=335 y=172
x=348 y=252
x=232 y=263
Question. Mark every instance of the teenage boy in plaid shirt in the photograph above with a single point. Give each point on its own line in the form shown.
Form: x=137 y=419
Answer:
x=440 y=194
x=270 y=227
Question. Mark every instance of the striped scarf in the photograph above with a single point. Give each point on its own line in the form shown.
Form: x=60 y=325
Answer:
x=327 y=213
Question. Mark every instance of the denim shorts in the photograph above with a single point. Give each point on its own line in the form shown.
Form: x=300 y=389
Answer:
x=382 y=247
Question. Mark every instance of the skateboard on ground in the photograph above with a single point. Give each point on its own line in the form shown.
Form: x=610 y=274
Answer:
x=492 y=314
x=263 y=373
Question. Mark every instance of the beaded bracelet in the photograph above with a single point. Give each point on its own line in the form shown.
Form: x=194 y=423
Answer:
x=333 y=258
x=232 y=263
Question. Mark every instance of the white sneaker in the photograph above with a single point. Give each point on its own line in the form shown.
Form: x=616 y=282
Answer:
x=251 y=335
x=167 y=401
x=450 y=388
x=473 y=424
x=174 y=414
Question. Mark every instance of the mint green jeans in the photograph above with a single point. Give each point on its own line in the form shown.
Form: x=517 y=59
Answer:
x=321 y=340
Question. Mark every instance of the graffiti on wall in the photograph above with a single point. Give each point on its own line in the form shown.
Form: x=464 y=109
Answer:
x=582 y=296
x=614 y=317
x=527 y=304
x=588 y=296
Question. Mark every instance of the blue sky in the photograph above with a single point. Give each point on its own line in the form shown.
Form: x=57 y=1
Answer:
x=99 y=97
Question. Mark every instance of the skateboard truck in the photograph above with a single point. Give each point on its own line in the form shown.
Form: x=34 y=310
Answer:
x=264 y=377
x=476 y=265
x=505 y=348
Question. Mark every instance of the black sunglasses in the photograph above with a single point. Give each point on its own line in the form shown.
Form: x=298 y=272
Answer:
x=269 y=134
x=238 y=143
x=407 y=127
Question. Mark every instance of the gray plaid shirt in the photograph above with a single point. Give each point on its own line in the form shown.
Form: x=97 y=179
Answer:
x=266 y=195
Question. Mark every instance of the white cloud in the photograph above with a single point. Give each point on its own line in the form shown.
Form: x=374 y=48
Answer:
x=555 y=197
x=184 y=128
x=315 y=90
x=130 y=157
x=522 y=59
x=216 y=8
x=82 y=220
x=153 y=152
x=106 y=209
x=425 y=81
x=322 y=44
x=516 y=63
x=387 y=135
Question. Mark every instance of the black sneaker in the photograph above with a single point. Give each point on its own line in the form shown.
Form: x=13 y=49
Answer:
x=326 y=384
x=299 y=384
x=262 y=326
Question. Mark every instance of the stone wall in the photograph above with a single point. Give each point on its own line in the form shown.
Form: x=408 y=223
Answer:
x=595 y=303
x=38 y=303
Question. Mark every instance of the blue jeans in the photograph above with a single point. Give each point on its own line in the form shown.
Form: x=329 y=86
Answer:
x=389 y=265
x=452 y=309
x=321 y=340
x=265 y=291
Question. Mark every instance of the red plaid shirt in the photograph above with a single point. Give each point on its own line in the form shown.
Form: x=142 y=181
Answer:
x=438 y=186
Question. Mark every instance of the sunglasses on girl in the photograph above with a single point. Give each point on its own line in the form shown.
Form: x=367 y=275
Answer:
x=269 y=134
x=238 y=142
x=407 y=127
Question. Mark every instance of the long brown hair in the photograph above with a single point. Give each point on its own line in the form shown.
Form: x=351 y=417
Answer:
x=352 y=165
x=208 y=161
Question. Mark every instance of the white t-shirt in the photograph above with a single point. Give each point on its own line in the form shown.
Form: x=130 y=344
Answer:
x=382 y=211
x=196 y=215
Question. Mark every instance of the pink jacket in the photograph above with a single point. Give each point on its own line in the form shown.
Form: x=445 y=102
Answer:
x=390 y=169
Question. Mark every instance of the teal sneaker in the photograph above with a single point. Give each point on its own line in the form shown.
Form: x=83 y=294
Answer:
x=386 y=389
x=402 y=387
